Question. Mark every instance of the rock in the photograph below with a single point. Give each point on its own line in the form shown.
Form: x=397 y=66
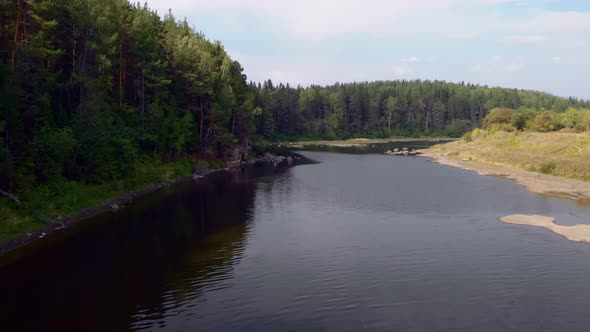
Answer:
x=115 y=206
x=201 y=171
x=242 y=150
x=290 y=161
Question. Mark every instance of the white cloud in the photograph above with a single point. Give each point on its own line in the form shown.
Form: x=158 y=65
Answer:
x=556 y=22
x=514 y=67
x=410 y=59
x=317 y=20
x=525 y=39
x=402 y=71
x=477 y=68
x=556 y=60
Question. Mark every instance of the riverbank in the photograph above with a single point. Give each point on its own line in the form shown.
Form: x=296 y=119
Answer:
x=361 y=142
x=73 y=202
x=545 y=163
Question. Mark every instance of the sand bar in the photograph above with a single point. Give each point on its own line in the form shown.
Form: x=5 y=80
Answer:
x=576 y=233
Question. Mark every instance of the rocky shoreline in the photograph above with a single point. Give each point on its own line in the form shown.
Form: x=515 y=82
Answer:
x=121 y=201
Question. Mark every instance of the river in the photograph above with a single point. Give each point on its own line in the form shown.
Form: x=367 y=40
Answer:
x=353 y=242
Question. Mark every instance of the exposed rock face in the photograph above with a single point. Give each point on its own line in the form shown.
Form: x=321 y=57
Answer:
x=272 y=159
x=267 y=158
x=242 y=150
x=403 y=152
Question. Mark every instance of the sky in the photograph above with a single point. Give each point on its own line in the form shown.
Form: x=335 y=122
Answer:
x=527 y=44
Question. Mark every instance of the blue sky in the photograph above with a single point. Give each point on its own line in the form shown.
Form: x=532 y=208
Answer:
x=542 y=44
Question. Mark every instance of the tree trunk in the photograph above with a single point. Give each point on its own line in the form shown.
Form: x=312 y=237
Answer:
x=83 y=69
x=202 y=122
x=142 y=99
x=17 y=29
x=121 y=73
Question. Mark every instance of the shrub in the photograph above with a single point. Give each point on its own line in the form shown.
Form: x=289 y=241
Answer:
x=583 y=121
x=569 y=118
x=522 y=118
x=476 y=133
x=546 y=121
x=548 y=168
x=51 y=149
x=467 y=137
x=498 y=116
x=496 y=127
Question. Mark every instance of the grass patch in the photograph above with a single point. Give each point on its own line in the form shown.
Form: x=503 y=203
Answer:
x=46 y=203
x=558 y=153
x=548 y=168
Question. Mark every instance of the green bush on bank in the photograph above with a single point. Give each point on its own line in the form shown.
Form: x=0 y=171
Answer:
x=527 y=119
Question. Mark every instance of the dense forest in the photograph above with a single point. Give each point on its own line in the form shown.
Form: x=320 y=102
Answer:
x=383 y=109
x=88 y=88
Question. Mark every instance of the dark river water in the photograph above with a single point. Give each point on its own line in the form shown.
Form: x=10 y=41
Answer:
x=355 y=242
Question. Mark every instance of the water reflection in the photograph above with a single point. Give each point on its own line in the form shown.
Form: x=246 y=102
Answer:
x=143 y=263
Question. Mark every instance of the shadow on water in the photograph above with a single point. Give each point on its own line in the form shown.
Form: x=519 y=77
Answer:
x=136 y=264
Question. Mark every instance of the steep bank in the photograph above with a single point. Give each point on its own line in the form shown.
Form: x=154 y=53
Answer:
x=546 y=163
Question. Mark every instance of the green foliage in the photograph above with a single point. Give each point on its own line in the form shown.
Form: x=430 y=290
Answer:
x=545 y=121
x=457 y=127
x=51 y=150
x=578 y=119
x=468 y=137
x=60 y=197
x=521 y=119
x=548 y=168
x=498 y=116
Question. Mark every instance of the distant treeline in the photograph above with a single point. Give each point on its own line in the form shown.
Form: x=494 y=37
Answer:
x=383 y=109
x=89 y=88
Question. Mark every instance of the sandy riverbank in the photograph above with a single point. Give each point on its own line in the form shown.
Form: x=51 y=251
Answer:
x=532 y=181
x=576 y=233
